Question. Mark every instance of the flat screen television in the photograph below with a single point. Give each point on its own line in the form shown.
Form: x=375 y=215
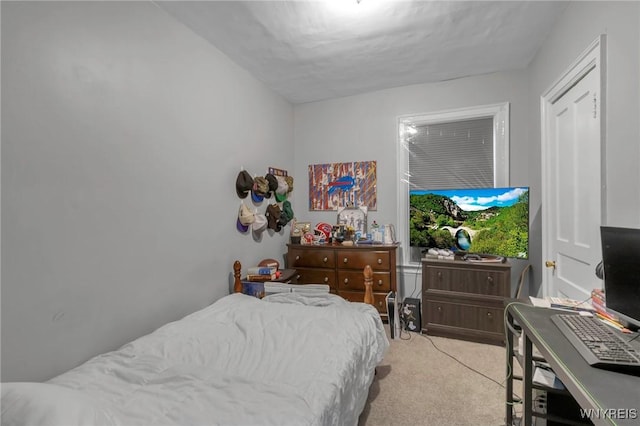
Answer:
x=480 y=221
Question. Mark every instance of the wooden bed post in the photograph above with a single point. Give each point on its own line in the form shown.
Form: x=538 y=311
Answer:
x=368 y=285
x=237 y=284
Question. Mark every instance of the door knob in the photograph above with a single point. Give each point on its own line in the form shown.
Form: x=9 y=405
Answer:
x=550 y=264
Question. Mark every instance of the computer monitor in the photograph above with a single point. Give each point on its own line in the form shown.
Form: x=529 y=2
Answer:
x=621 y=261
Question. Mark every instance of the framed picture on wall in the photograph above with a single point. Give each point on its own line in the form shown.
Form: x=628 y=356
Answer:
x=354 y=217
x=335 y=185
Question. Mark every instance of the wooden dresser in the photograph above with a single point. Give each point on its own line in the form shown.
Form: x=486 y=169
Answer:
x=465 y=300
x=341 y=267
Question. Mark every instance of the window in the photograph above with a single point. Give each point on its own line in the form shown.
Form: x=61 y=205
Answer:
x=466 y=148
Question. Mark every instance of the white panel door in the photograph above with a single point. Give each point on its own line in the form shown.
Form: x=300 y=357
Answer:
x=573 y=194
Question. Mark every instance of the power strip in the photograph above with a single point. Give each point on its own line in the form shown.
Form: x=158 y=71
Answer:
x=540 y=406
x=541 y=403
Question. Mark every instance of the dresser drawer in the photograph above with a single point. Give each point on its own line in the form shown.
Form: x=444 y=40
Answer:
x=473 y=281
x=342 y=268
x=470 y=317
x=316 y=276
x=379 y=299
x=358 y=259
x=311 y=258
x=354 y=280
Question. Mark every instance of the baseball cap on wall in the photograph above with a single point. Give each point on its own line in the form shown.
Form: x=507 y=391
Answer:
x=273 y=217
x=287 y=213
x=289 y=180
x=282 y=190
x=260 y=224
x=245 y=218
x=273 y=184
x=260 y=189
x=244 y=184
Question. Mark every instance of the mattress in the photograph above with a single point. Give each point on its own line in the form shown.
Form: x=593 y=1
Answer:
x=286 y=359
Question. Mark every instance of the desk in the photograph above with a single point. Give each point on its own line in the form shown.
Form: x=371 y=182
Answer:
x=592 y=388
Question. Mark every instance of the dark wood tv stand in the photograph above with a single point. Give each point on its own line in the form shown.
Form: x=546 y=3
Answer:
x=465 y=299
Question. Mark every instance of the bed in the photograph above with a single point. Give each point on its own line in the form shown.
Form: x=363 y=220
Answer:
x=285 y=359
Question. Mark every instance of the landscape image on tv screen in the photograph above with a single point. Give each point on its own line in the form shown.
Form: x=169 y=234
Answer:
x=489 y=221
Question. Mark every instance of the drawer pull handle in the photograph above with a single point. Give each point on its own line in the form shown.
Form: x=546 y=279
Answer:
x=379 y=282
x=379 y=261
x=346 y=281
x=439 y=308
x=439 y=274
x=297 y=257
x=297 y=277
x=325 y=260
x=490 y=280
x=489 y=315
x=380 y=304
x=345 y=260
x=326 y=279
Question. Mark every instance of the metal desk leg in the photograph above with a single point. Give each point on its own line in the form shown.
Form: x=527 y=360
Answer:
x=509 y=384
x=527 y=380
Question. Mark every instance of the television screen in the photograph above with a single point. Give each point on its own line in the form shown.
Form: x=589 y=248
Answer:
x=485 y=221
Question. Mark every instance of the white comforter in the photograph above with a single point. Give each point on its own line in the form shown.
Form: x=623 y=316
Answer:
x=288 y=359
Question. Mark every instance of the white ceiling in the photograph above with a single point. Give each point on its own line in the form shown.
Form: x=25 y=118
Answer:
x=313 y=50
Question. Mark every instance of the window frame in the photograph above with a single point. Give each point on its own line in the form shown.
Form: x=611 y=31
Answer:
x=499 y=113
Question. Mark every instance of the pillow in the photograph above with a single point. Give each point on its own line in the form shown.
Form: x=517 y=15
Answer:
x=43 y=404
x=311 y=298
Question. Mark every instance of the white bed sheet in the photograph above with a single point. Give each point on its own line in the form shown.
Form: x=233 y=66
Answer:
x=288 y=359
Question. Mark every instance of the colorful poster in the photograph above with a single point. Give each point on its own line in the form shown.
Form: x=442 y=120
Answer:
x=343 y=185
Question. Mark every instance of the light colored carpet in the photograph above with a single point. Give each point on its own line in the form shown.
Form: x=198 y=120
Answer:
x=416 y=384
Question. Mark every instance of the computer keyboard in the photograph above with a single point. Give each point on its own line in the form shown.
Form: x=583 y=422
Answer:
x=599 y=345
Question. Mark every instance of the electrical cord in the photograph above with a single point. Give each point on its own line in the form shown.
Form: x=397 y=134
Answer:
x=469 y=367
x=509 y=328
x=402 y=328
x=516 y=397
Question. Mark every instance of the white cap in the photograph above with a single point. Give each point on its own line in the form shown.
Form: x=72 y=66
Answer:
x=260 y=223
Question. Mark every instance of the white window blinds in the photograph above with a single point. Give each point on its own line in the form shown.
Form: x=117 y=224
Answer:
x=456 y=154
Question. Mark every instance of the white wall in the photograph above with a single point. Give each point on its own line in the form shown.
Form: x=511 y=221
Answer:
x=576 y=29
x=122 y=136
x=364 y=127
